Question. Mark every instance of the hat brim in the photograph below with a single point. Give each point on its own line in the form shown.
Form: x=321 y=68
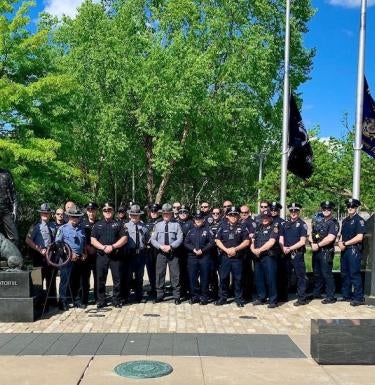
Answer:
x=74 y=215
x=133 y=213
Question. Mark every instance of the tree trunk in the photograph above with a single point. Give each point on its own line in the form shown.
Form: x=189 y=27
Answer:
x=150 y=170
x=167 y=174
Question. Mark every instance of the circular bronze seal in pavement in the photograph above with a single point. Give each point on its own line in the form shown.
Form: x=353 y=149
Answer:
x=143 y=369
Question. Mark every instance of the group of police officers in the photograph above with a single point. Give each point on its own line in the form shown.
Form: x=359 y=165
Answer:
x=205 y=253
x=216 y=251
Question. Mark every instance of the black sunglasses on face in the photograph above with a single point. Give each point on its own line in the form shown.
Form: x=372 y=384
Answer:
x=107 y=210
x=351 y=207
x=263 y=207
x=294 y=211
x=215 y=213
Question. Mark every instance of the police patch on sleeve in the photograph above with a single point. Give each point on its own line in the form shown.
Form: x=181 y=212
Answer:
x=305 y=226
x=362 y=222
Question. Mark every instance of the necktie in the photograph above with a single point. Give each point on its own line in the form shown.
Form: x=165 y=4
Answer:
x=166 y=235
x=136 y=237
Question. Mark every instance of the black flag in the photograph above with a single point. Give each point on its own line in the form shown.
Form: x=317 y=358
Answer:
x=300 y=158
x=368 y=122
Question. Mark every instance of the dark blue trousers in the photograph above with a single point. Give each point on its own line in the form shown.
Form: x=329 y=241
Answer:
x=266 y=278
x=351 y=274
x=298 y=263
x=227 y=266
x=64 y=289
x=199 y=267
x=322 y=263
x=135 y=264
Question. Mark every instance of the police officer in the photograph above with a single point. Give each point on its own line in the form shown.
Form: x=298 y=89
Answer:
x=263 y=247
x=108 y=236
x=199 y=241
x=72 y=235
x=282 y=261
x=167 y=236
x=186 y=224
x=39 y=237
x=214 y=222
x=292 y=240
x=87 y=223
x=263 y=205
x=121 y=215
x=352 y=232
x=59 y=217
x=8 y=206
x=232 y=238
x=205 y=209
x=153 y=218
x=324 y=233
x=249 y=223
x=136 y=251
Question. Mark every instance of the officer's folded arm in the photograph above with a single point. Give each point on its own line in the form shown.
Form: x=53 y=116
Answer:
x=121 y=242
x=299 y=244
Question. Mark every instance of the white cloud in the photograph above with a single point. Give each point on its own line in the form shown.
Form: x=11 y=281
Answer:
x=350 y=3
x=63 y=7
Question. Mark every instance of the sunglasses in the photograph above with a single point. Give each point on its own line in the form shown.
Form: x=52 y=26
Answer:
x=107 y=210
x=294 y=211
x=263 y=207
x=351 y=207
x=204 y=207
x=214 y=213
x=326 y=209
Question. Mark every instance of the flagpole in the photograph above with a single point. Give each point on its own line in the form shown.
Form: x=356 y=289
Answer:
x=284 y=153
x=359 y=108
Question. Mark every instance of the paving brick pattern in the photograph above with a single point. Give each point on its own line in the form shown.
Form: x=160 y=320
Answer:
x=186 y=318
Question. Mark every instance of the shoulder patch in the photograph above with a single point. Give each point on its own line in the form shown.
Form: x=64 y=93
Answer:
x=362 y=222
x=305 y=226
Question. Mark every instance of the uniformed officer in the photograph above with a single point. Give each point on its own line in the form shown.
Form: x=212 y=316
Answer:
x=205 y=209
x=352 y=233
x=59 y=217
x=282 y=261
x=214 y=222
x=232 y=238
x=39 y=237
x=166 y=237
x=72 y=235
x=176 y=208
x=108 y=236
x=263 y=205
x=249 y=223
x=153 y=218
x=121 y=214
x=199 y=241
x=292 y=240
x=263 y=247
x=186 y=224
x=136 y=251
x=87 y=223
x=323 y=237
x=8 y=206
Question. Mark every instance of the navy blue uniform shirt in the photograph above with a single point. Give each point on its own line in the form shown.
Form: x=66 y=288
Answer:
x=293 y=231
x=199 y=238
x=232 y=235
x=352 y=227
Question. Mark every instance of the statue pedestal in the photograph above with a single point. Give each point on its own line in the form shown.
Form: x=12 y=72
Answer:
x=16 y=300
x=369 y=256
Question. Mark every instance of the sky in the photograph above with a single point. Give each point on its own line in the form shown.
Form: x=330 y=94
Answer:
x=334 y=33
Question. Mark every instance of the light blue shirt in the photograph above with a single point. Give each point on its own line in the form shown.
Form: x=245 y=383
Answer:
x=72 y=236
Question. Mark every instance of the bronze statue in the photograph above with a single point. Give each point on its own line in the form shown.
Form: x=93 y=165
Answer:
x=10 y=252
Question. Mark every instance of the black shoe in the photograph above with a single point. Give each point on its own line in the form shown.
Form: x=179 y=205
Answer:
x=80 y=305
x=220 y=302
x=203 y=302
x=63 y=306
x=117 y=305
x=357 y=303
x=192 y=301
x=100 y=305
x=272 y=305
x=258 y=302
x=240 y=304
x=177 y=301
x=328 y=300
x=157 y=300
x=344 y=299
x=300 y=302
